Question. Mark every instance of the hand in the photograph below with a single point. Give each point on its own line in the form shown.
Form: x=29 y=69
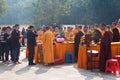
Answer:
x=8 y=37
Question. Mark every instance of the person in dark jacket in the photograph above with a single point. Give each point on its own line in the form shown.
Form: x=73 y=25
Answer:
x=77 y=41
x=24 y=36
x=3 y=41
x=0 y=45
x=31 y=41
x=9 y=50
x=15 y=35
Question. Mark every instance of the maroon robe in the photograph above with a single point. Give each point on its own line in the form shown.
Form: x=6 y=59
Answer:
x=77 y=42
x=105 y=50
x=116 y=36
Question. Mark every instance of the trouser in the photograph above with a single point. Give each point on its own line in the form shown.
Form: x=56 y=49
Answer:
x=11 y=55
x=23 y=41
x=15 y=54
x=0 y=52
x=76 y=51
x=7 y=53
x=10 y=52
x=0 y=56
x=4 y=54
x=31 y=54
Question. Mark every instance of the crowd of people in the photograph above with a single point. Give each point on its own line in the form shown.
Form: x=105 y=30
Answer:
x=103 y=34
x=10 y=44
x=47 y=35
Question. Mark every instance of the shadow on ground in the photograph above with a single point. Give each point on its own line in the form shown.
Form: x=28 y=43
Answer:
x=96 y=74
x=6 y=67
x=23 y=70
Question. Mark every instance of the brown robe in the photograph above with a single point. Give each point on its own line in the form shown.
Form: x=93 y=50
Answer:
x=105 y=50
x=77 y=42
x=116 y=36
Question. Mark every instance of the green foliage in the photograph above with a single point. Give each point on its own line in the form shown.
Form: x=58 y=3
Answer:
x=19 y=12
x=59 y=11
x=93 y=11
x=49 y=11
x=3 y=6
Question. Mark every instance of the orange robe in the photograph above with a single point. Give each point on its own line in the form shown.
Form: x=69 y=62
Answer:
x=55 y=34
x=38 y=49
x=48 y=54
x=75 y=31
x=40 y=36
x=69 y=36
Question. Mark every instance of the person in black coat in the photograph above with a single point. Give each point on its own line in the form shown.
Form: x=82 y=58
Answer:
x=3 y=39
x=15 y=36
x=9 y=43
x=31 y=41
x=77 y=41
x=24 y=36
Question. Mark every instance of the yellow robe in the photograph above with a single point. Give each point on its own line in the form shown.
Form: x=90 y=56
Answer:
x=40 y=36
x=39 y=39
x=55 y=34
x=69 y=36
x=75 y=31
x=48 y=54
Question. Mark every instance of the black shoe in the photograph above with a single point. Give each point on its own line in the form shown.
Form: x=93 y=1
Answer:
x=31 y=64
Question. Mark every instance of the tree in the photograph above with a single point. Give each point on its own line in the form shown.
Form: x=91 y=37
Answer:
x=49 y=11
x=3 y=6
x=81 y=11
x=94 y=11
x=40 y=12
x=18 y=12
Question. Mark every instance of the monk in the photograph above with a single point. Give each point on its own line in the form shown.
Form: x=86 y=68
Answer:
x=118 y=26
x=116 y=36
x=75 y=30
x=69 y=34
x=85 y=29
x=56 y=31
x=48 y=54
x=110 y=32
x=97 y=34
x=105 y=48
x=40 y=35
x=77 y=41
x=40 y=40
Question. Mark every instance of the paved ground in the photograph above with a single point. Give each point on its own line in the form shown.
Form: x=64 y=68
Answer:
x=40 y=72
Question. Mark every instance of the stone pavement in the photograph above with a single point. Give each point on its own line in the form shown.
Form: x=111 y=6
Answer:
x=41 y=72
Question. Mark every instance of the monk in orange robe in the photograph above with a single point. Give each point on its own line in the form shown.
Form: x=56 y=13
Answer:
x=39 y=40
x=69 y=34
x=40 y=35
x=75 y=30
x=56 y=32
x=48 y=54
